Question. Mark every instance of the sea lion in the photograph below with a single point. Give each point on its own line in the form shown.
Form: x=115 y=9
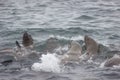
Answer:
x=51 y=44
x=26 y=48
x=27 y=40
x=21 y=50
x=115 y=60
x=73 y=53
x=91 y=46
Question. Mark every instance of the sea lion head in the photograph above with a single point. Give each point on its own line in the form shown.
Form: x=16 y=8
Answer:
x=115 y=60
x=73 y=54
x=21 y=50
x=91 y=45
x=51 y=44
x=75 y=48
x=27 y=40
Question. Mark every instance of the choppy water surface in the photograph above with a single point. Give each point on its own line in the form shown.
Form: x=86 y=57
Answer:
x=66 y=20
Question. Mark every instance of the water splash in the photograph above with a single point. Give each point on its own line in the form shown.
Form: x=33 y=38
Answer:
x=84 y=57
x=116 y=66
x=50 y=63
x=77 y=37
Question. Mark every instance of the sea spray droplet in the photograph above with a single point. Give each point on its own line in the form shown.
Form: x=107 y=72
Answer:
x=50 y=63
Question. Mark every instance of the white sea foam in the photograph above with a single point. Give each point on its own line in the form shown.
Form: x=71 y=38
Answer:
x=50 y=63
x=79 y=37
x=116 y=56
x=102 y=64
x=61 y=49
x=116 y=66
x=83 y=57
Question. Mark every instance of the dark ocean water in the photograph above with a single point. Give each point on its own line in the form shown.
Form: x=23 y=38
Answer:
x=66 y=20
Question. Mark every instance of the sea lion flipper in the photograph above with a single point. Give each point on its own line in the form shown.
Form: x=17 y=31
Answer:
x=18 y=44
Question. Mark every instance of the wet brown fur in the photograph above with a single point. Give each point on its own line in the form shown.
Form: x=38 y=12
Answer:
x=112 y=61
x=27 y=40
x=91 y=46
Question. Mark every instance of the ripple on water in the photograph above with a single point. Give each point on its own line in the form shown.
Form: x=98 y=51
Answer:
x=71 y=18
x=58 y=78
x=85 y=17
x=27 y=76
x=112 y=75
